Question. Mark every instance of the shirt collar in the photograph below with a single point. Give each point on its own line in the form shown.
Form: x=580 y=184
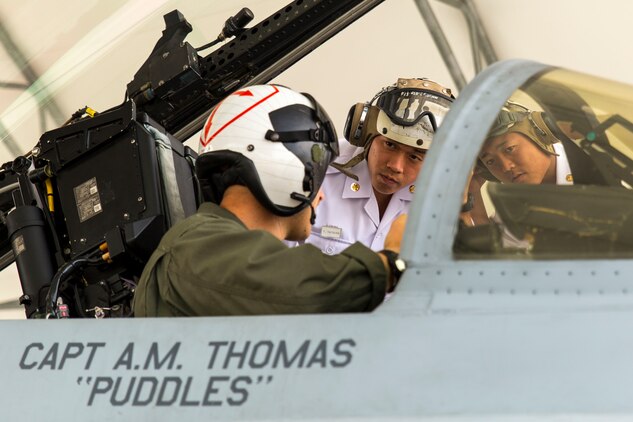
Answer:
x=215 y=209
x=563 y=171
x=360 y=188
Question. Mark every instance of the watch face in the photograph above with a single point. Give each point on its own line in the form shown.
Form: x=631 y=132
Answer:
x=401 y=265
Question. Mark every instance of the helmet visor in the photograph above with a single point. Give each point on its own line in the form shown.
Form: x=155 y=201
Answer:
x=325 y=129
x=408 y=106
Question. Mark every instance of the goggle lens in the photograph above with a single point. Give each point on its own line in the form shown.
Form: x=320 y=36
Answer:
x=406 y=107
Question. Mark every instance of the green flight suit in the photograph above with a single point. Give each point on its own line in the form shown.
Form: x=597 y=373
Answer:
x=211 y=264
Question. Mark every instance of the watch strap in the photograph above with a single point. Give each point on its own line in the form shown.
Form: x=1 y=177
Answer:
x=395 y=269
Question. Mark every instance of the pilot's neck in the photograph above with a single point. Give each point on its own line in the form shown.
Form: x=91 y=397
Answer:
x=242 y=203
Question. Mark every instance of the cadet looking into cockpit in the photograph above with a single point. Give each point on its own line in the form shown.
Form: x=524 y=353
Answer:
x=263 y=156
x=525 y=146
x=373 y=181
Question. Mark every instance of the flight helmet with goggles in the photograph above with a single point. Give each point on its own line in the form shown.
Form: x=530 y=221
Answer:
x=408 y=112
x=537 y=126
x=271 y=139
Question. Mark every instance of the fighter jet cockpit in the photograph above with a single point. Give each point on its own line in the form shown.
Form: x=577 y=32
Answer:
x=553 y=177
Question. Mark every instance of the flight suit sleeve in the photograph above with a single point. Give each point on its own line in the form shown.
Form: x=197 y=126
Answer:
x=251 y=272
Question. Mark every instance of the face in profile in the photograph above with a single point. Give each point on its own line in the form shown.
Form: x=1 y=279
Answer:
x=513 y=158
x=393 y=165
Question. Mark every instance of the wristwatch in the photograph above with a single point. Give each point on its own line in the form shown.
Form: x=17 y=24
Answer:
x=397 y=266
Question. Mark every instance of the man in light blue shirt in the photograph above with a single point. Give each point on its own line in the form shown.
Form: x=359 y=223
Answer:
x=372 y=183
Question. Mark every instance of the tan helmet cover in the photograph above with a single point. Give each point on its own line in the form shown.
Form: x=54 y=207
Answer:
x=367 y=120
x=528 y=123
x=424 y=83
x=515 y=118
x=413 y=102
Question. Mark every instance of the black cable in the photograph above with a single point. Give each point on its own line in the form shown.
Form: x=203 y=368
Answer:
x=78 y=304
x=302 y=198
x=63 y=273
x=211 y=44
x=233 y=26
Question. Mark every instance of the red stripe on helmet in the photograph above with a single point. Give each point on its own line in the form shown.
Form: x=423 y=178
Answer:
x=206 y=141
x=207 y=125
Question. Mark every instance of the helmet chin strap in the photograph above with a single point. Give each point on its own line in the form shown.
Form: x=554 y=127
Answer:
x=312 y=215
x=299 y=197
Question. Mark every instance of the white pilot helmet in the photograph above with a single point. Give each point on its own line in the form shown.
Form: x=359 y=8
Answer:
x=273 y=140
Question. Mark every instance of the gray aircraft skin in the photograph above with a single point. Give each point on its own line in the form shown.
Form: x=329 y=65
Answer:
x=501 y=337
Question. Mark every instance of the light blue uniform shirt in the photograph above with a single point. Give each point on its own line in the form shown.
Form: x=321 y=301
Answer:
x=349 y=212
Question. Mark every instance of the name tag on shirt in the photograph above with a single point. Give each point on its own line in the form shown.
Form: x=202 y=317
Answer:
x=331 y=232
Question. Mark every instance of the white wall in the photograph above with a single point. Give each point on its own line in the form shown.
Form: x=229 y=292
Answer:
x=390 y=42
x=584 y=35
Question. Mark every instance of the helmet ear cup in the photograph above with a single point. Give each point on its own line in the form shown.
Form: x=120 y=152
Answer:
x=355 y=124
x=348 y=122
